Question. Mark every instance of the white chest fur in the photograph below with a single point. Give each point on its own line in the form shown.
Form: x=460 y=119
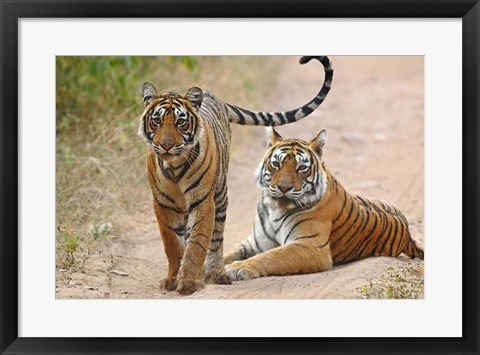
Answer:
x=274 y=224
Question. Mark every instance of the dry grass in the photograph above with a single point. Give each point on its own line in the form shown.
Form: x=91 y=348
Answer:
x=100 y=173
x=403 y=282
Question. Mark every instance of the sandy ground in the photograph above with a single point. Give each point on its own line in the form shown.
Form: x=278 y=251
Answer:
x=374 y=119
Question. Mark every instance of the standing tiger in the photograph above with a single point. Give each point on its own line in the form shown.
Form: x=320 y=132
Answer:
x=306 y=221
x=188 y=139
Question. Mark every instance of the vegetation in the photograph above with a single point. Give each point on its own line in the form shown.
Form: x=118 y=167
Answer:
x=100 y=173
x=404 y=281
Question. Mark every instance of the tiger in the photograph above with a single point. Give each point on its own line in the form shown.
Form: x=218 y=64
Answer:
x=307 y=222
x=188 y=138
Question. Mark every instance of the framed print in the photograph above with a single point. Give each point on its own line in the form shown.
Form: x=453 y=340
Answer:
x=353 y=230
x=95 y=192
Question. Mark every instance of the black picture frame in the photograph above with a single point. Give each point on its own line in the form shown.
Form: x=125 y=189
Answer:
x=12 y=11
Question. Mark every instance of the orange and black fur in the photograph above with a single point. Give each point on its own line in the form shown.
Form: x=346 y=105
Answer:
x=306 y=222
x=188 y=139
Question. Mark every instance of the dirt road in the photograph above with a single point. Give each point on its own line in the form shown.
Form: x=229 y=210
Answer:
x=374 y=116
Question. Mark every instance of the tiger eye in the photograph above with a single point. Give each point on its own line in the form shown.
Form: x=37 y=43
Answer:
x=181 y=122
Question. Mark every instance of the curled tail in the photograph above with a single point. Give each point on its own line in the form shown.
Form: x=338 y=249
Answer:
x=412 y=250
x=246 y=117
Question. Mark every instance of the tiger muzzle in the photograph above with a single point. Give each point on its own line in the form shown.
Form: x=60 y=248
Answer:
x=284 y=187
x=166 y=146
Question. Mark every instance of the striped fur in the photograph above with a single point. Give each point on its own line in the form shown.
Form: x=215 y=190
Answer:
x=188 y=139
x=307 y=222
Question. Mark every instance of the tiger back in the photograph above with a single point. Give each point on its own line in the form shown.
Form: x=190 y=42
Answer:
x=307 y=222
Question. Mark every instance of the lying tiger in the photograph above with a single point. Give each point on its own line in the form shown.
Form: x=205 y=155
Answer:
x=306 y=222
x=188 y=140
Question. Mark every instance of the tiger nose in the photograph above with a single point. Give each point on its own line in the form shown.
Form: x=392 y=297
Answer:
x=284 y=188
x=166 y=146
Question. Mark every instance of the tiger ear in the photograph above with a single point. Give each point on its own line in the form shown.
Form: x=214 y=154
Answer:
x=195 y=96
x=148 y=92
x=318 y=142
x=273 y=136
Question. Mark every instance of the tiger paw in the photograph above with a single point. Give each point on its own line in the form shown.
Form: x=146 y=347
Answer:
x=169 y=284
x=218 y=277
x=188 y=286
x=237 y=271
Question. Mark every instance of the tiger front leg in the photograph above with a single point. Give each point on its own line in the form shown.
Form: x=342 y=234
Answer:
x=171 y=225
x=241 y=251
x=301 y=256
x=261 y=240
x=199 y=233
x=252 y=245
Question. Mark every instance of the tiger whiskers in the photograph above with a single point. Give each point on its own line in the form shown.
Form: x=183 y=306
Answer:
x=189 y=156
x=156 y=148
x=300 y=203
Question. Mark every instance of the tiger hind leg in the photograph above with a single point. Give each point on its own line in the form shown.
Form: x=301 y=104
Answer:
x=214 y=266
x=403 y=244
x=413 y=250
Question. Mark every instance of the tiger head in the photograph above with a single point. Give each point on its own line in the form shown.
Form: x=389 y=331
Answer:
x=170 y=123
x=292 y=170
